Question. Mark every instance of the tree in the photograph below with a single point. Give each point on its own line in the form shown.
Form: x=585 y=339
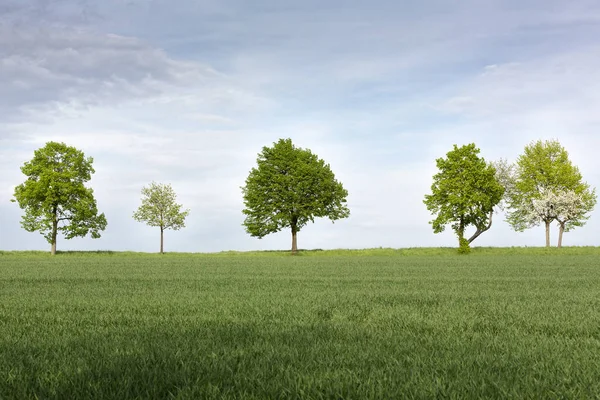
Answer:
x=290 y=187
x=159 y=209
x=543 y=170
x=54 y=196
x=573 y=210
x=464 y=192
x=568 y=208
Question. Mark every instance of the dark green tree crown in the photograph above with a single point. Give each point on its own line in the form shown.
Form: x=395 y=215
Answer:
x=290 y=187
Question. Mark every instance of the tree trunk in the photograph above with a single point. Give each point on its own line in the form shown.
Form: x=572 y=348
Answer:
x=162 y=240
x=294 y=241
x=294 y=235
x=480 y=230
x=53 y=247
x=547 y=233
x=54 y=231
x=461 y=231
x=561 y=229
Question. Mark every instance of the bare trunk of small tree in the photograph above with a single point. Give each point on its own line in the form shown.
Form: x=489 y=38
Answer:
x=54 y=231
x=547 y=233
x=561 y=229
x=162 y=240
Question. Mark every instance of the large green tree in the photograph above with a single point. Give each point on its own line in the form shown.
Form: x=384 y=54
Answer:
x=464 y=193
x=54 y=195
x=159 y=208
x=548 y=187
x=290 y=187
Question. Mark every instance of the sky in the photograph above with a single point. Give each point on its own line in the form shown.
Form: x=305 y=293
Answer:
x=187 y=92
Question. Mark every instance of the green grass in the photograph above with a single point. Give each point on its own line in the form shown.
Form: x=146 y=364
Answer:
x=380 y=323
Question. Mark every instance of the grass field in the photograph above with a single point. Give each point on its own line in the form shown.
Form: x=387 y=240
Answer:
x=419 y=323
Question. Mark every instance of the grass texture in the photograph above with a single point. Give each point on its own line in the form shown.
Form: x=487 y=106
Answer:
x=380 y=323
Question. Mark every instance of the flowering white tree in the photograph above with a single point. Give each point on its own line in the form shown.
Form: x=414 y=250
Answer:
x=543 y=172
x=568 y=208
x=540 y=209
x=572 y=210
x=160 y=209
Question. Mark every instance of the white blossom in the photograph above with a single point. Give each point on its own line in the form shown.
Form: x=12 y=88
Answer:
x=559 y=205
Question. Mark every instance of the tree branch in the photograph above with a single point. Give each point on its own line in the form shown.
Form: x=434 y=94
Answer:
x=480 y=230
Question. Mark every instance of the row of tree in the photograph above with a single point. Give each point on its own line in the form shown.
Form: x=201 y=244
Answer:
x=291 y=186
x=543 y=186
x=55 y=198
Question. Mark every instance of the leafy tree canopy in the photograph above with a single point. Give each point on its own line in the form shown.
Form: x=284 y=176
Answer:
x=464 y=193
x=544 y=169
x=159 y=208
x=54 y=196
x=290 y=187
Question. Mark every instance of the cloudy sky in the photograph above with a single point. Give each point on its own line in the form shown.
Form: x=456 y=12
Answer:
x=188 y=91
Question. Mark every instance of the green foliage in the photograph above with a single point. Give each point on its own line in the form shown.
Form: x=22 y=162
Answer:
x=54 y=196
x=464 y=247
x=496 y=325
x=290 y=187
x=159 y=208
x=464 y=192
x=548 y=187
x=545 y=167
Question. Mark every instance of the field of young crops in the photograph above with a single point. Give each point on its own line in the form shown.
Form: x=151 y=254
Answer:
x=499 y=323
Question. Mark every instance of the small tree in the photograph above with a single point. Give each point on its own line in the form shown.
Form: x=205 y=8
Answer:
x=290 y=187
x=464 y=193
x=54 y=196
x=543 y=172
x=159 y=209
x=573 y=210
x=568 y=208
